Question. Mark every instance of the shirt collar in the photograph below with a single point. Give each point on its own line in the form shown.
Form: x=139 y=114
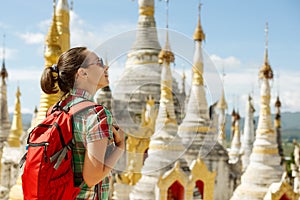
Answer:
x=81 y=93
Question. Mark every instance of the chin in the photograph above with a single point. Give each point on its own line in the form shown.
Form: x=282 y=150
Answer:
x=102 y=86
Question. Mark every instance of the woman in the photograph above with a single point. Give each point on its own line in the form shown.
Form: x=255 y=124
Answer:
x=79 y=73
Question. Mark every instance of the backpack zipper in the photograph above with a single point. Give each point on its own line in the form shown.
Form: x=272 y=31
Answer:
x=45 y=144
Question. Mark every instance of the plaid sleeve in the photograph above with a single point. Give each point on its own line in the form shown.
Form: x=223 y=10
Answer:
x=99 y=124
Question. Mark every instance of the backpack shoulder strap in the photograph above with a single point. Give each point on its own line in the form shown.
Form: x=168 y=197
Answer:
x=82 y=105
x=49 y=111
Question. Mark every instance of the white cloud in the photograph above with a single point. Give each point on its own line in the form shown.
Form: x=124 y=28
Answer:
x=84 y=34
x=45 y=24
x=289 y=91
x=32 y=38
x=243 y=82
x=230 y=62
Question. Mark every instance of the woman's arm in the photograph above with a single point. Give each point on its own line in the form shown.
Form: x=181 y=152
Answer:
x=95 y=167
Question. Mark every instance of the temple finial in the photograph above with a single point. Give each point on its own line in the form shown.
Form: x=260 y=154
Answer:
x=72 y=5
x=199 y=9
x=3 y=47
x=167 y=14
x=3 y=72
x=166 y=53
x=199 y=34
x=54 y=5
x=167 y=25
x=267 y=32
x=266 y=70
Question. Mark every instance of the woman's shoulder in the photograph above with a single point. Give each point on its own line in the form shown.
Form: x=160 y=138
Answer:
x=101 y=109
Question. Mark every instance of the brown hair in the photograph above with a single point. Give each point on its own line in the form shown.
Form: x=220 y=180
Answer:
x=68 y=64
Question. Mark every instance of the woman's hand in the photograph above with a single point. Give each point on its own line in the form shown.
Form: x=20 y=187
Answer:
x=96 y=165
x=118 y=137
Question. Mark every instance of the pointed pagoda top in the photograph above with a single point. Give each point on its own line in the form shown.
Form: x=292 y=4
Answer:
x=166 y=53
x=72 y=5
x=53 y=48
x=277 y=103
x=222 y=104
x=4 y=73
x=266 y=70
x=35 y=110
x=233 y=112
x=166 y=113
x=199 y=34
x=16 y=127
x=62 y=5
x=18 y=94
x=237 y=115
x=252 y=109
x=53 y=35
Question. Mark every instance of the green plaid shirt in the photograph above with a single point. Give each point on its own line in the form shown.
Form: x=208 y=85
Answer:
x=88 y=126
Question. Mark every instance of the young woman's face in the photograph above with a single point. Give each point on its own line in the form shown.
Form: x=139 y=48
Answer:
x=96 y=70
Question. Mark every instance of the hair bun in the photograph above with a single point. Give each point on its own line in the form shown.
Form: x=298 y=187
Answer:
x=54 y=68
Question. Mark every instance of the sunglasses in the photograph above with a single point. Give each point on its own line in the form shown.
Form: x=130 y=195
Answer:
x=99 y=63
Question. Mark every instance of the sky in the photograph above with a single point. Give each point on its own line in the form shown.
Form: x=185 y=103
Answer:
x=235 y=42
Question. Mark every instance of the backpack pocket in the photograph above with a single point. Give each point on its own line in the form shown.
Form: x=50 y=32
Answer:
x=35 y=171
x=63 y=187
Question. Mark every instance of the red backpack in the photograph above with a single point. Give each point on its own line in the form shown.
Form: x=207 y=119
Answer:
x=48 y=172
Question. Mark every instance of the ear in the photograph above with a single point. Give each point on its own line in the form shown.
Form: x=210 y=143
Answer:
x=82 y=72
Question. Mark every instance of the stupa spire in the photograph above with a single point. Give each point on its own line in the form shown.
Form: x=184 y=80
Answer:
x=4 y=73
x=197 y=69
x=62 y=13
x=51 y=54
x=249 y=135
x=264 y=167
x=16 y=128
x=235 y=148
x=53 y=41
x=197 y=113
x=222 y=106
x=266 y=70
x=277 y=125
x=199 y=34
x=166 y=113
